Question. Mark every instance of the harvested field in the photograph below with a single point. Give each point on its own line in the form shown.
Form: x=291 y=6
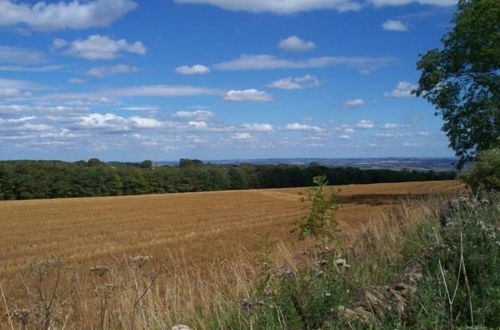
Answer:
x=204 y=248
x=198 y=227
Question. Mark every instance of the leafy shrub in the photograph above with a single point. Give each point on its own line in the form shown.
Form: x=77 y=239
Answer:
x=485 y=175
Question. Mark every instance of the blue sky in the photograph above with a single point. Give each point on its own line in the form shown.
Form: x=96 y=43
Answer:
x=217 y=79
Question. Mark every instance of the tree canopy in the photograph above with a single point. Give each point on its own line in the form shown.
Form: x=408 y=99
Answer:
x=462 y=79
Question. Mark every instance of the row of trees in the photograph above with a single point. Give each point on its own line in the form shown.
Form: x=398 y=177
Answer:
x=54 y=179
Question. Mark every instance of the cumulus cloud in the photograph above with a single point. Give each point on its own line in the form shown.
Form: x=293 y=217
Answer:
x=74 y=15
x=98 y=47
x=191 y=70
x=307 y=81
x=279 y=7
x=256 y=127
x=443 y=3
x=103 y=71
x=270 y=62
x=303 y=127
x=353 y=103
x=114 y=122
x=403 y=89
x=394 y=25
x=247 y=95
x=199 y=115
x=295 y=44
x=365 y=124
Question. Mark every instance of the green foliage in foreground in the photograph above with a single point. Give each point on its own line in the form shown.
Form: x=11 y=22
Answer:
x=55 y=179
x=455 y=256
x=485 y=175
x=319 y=223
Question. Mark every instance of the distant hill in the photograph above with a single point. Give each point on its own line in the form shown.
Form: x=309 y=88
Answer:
x=393 y=163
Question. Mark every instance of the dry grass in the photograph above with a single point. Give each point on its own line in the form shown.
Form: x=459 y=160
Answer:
x=203 y=245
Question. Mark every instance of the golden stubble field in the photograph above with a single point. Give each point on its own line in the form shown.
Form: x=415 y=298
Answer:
x=198 y=227
x=206 y=248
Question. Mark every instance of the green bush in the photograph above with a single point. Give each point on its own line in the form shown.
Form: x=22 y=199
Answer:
x=485 y=175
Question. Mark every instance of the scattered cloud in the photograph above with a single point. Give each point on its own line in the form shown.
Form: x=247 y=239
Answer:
x=270 y=62
x=365 y=124
x=241 y=136
x=307 y=81
x=279 y=7
x=160 y=91
x=391 y=126
x=443 y=3
x=192 y=70
x=63 y=15
x=200 y=115
x=255 y=127
x=403 y=89
x=103 y=71
x=76 y=81
x=114 y=122
x=423 y=133
x=303 y=127
x=247 y=95
x=17 y=55
x=394 y=25
x=198 y=124
x=295 y=44
x=98 y=47
x=353 y=103
x=30 y=68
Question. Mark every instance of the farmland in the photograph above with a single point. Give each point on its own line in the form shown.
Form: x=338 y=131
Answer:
x=199 y=227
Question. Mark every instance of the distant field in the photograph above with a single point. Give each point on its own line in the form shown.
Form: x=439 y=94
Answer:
x=198 y=227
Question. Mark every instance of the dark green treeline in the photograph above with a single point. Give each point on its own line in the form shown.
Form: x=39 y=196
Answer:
x=26 y=179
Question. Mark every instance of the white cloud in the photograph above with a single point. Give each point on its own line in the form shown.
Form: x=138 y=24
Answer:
x=391 y=126
x=76 y=81
x=103 y=71
x=199 y=115
x=348 y=130
x=160 y=91
x=270 y=62
x=147 y=108
x=443 y=3
x=255 y=127
x=306 y=81
x=353 y=103
x=141 y=122
x=241 y=136
x=10 y=88
x=387 y=135
x=365 y=124
x=295 y=44
x=191 y=70
x=98 y=47
x=303 y=127
x=423 y=133
x=247 y=95
x=403 y=89
x=281 y=6
x=30 y=68
x=63 y=15
x=17 y=55
x=198 y=124
x=114 y=122
x=394 y=25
